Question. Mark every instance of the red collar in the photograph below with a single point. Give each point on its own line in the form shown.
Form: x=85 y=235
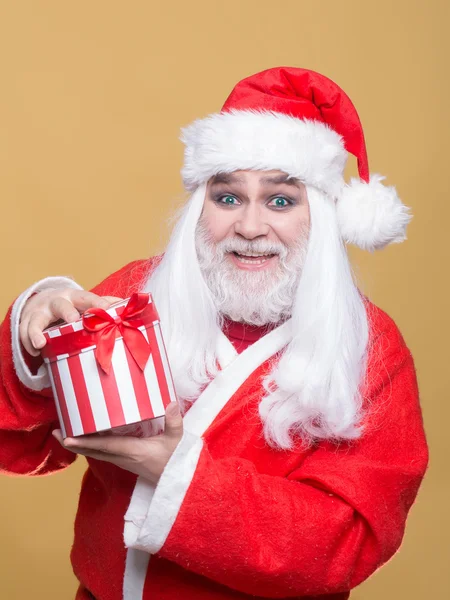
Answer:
x=242 y=335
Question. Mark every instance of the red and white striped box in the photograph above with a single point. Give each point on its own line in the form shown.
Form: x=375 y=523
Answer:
x=110 y=368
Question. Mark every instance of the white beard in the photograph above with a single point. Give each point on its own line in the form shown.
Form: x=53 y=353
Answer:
x=256 y=297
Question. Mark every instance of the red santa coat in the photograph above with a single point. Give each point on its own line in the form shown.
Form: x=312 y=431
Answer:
x=230 y=516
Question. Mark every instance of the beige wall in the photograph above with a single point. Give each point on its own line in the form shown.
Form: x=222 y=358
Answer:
x=92 y=98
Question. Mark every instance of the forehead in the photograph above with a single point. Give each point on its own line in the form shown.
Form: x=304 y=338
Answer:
x=264 y=178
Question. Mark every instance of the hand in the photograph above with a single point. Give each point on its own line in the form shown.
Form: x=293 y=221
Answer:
x=146 y=457
x=49 y=306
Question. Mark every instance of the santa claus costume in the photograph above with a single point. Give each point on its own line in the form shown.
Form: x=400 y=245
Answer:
x=303 y=446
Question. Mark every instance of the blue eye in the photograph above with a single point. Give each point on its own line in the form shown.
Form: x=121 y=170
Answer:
x=227 y=200
x=280 y=202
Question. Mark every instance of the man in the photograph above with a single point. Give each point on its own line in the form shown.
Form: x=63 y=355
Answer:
x=301 y=447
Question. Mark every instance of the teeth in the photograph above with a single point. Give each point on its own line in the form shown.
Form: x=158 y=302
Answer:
x=255 y=254
x=252 y=262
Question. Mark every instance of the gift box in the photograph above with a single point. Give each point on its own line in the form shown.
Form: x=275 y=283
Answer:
x=109 y=369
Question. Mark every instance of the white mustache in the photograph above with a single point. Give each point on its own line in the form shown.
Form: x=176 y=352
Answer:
x=258 y=247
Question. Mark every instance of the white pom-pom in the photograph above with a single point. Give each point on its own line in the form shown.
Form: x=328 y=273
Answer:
x=371 y=215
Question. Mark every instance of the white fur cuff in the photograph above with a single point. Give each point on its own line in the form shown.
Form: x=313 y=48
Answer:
x=152 y=511
x=40 y=380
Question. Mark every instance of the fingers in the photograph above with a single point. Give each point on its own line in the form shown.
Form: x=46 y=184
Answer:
x=72 y=444
x=83 y=300
x=50 y=306
x=111 y=444
x=112 y=299
x=112 y=458
x=79 y=301
x=26 y=340
x=31 y=329
x=61 y=308
x=38 y=321
x=173 y=421
x=92 y=446
x=39 y=317
x=57 y=433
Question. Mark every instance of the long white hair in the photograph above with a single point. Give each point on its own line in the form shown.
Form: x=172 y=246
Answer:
x=314 y=392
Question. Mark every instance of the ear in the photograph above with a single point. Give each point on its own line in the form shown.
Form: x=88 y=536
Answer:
x=371 y=215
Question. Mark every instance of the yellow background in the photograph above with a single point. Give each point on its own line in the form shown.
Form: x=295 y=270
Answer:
x=91 y=101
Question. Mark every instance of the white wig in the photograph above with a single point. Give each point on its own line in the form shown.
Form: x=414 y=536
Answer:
x=314 y=392
x=317 y=391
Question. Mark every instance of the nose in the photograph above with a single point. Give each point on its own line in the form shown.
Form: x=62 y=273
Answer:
x=250 y=223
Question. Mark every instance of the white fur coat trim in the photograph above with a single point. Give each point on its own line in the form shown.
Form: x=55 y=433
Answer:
x=39 y=381
x=152 y=511
x=148 y=530
x=227 y=382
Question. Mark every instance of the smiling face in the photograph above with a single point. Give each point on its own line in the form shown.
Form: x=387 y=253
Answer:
x=251 y=243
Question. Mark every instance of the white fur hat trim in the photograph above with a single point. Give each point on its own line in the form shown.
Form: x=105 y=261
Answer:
x=370 y=215
x=247 y=139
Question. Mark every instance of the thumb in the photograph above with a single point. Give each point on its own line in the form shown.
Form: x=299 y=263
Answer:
x=174 y=421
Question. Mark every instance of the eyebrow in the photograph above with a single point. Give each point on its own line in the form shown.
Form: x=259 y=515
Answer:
x=284 y=178
x=228 y=178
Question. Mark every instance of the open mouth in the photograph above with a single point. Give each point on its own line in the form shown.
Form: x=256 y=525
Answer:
x=253 y=258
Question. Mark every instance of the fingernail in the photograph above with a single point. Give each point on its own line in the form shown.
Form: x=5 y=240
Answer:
x=38 y=342
x=54 y=434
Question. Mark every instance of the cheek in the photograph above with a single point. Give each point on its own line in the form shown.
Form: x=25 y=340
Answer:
x=218 y=223
x=292 y=227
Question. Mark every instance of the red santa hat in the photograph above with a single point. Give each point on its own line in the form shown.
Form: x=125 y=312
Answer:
x=300 y=122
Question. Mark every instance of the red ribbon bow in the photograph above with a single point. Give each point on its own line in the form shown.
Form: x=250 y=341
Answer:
x=105 y=329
